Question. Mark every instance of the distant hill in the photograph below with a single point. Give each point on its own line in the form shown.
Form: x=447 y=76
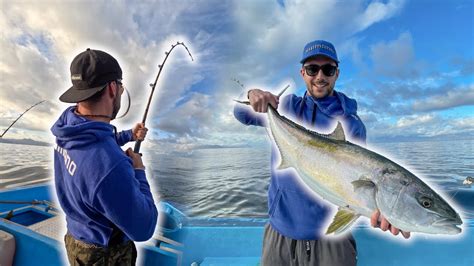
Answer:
x=25 y=142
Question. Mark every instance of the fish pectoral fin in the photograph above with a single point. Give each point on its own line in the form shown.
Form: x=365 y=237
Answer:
x=342 y=221
x=363 y=182
x=338 y=133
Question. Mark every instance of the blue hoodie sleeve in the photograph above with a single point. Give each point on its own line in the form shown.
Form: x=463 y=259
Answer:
x=124 y=137
x=247 y=116
x=124 y=197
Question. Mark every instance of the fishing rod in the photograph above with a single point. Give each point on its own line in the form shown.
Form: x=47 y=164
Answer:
x=153 y=85
x=248 y=102
x=238 y=82
x=4 y=132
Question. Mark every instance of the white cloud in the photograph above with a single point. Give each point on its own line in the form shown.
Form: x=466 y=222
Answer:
x=419 y=127
x=395 y=58
x=464 y=123
x=270 y=37
x=39 y=41
x=377 y=11
x=451 y=98
x=258 y=42
x=414 y=120
x=182 y=120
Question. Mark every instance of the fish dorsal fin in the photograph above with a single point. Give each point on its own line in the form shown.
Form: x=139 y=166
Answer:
x=338 y=133
x=342 y=221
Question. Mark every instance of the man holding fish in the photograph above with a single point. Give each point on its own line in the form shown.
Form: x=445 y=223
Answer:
x=297 y=218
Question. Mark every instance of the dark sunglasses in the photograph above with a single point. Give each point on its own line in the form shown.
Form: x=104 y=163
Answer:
x=328 y=70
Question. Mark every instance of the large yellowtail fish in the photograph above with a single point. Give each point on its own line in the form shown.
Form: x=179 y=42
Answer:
x=359 y=181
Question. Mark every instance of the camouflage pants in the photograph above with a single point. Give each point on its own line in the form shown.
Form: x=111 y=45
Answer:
x=80 y=253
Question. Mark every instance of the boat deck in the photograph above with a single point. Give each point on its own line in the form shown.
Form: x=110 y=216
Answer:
x=52 y=227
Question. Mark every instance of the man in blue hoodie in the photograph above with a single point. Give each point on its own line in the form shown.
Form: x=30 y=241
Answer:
x=102 y=190
x=297 y=218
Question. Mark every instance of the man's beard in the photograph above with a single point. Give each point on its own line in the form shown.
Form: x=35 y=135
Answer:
x=116 y=107
x=328 y=90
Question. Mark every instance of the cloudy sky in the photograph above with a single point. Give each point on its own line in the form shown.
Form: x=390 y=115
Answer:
x=409 y=64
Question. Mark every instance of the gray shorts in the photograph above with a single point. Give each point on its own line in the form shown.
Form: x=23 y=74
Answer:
x=280 y=250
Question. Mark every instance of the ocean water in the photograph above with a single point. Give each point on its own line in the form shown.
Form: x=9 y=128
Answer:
x=233 y=182
x=22 y=165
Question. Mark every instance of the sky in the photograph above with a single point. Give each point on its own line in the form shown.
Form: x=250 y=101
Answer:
x=409 y=64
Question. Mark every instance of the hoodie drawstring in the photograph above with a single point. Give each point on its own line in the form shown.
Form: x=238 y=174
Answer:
x=300 y=113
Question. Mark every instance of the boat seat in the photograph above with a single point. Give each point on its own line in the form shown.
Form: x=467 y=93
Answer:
x=7 y=248
x=171 y=246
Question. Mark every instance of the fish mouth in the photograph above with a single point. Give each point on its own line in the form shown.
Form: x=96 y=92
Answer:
x=452 y=225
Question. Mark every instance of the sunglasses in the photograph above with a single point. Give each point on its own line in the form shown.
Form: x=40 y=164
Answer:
x=328 y=70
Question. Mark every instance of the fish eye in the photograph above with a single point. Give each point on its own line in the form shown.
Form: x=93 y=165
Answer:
x=426 y=202
x=404 y=182
x=387 y=171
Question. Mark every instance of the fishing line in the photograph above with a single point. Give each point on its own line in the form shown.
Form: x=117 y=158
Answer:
x=4 y=132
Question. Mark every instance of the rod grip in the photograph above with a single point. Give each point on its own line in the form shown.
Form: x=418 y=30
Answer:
x=138 y=143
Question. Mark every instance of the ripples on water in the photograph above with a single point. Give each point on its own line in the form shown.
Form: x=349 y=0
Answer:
x=24 y=165
x=215 y=182
x=233 y=182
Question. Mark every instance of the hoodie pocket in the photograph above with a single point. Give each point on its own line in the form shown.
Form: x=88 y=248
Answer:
x=298 y=209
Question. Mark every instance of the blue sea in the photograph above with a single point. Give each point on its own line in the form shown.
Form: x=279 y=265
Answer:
x=232 y=182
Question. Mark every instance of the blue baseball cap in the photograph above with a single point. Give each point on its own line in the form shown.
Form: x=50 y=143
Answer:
x=319 y=47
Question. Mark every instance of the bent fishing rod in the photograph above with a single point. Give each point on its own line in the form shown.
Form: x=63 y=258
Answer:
x=153 y=86
x=4 y=132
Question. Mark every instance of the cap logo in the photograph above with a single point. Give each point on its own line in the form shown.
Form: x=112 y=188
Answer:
x=319 y=46
x=76 y=77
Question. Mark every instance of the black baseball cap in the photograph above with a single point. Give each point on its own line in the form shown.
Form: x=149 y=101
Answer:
x=91 y=70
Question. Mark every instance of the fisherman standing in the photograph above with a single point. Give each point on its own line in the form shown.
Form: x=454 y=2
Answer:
x=297 y=218
x=102 y=190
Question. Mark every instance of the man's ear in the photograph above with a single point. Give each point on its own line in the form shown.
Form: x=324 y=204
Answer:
x=302 y=72
x=337 y=73
x=111 y=89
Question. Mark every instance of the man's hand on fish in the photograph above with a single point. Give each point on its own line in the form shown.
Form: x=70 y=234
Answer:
x=139 y=132
x=377 y=220
x=259 y=100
